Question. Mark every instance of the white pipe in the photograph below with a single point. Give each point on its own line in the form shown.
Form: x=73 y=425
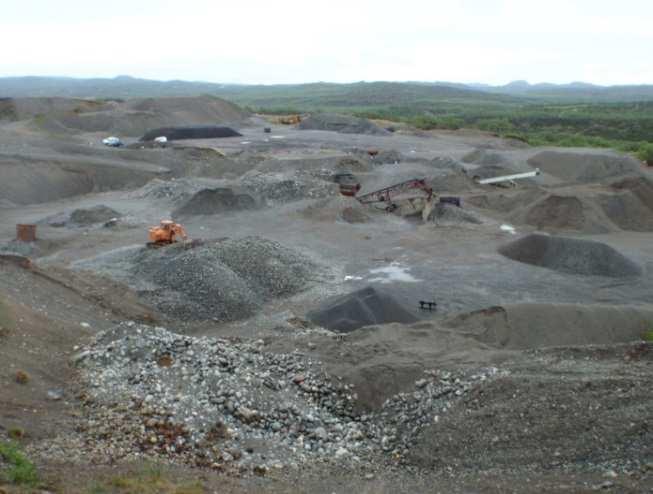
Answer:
x=507 y=178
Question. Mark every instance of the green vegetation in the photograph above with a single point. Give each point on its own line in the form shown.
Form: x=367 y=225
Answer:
x=626 y=126
x=648 y=336
x=20 y=471
x=646 y=153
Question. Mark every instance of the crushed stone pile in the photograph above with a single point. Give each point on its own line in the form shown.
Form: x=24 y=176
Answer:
x=345 y=124
x=522 y=326
x=585 y=167
x=190 y=132
x=93 y=215
x=81 y=217
x=338 y=208
x=388 y=156
x=448 y=214
x=175 y=190
x=217 y=403
x=558 y=212
x=278 y=188
x=447 y=163
x=485 y=158
x=215 y=201
x=570 y=255
x=220 y=280
x=365 y=307
x=628 y=211
x=132 y=117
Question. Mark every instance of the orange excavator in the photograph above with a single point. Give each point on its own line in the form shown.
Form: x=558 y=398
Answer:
x=166 y=233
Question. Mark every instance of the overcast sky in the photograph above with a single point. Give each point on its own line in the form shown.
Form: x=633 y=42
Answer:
x=288 y=41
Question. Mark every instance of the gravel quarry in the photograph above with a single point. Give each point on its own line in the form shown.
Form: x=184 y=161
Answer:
x=300 y=341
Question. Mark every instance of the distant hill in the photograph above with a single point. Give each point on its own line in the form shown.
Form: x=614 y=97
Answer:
x=575 y=91
x=302 y=95
x=326 y=95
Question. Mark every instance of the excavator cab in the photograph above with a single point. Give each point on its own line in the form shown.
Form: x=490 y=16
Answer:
x=166 y=233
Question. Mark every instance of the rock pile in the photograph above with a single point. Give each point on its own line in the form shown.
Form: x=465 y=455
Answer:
x=360 y=308
x=215 y=201
x=277 y=188
x=217 y=403
x=224 y=280
x=570 y=255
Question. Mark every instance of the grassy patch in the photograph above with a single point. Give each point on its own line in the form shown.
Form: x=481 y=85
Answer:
x=648 y=336
x=20 y=471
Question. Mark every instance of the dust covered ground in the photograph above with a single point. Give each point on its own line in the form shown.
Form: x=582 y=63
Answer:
x=283 y=348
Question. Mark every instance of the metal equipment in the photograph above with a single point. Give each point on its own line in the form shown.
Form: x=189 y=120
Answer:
x=410 y=189
x=166 y=233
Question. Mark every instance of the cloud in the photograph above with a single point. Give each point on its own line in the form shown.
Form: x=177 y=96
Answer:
x=296 y=41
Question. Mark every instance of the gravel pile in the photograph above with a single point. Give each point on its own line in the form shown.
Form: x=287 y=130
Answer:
x=345 y=124
x=570 y=255
x=221 y=280
x=447 y=214
x=215 y=201
x=222 y=404
x=364 y=307
x=178 y=190
x=276 y=188
x=190 y=132
x=93 y=215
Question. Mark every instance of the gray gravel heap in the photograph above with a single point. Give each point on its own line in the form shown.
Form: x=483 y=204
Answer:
x=278 y=188
x=570 y=255
x=220 y=403
x=224 y=280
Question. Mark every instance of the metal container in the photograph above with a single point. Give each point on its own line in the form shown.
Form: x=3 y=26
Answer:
x=26 y=233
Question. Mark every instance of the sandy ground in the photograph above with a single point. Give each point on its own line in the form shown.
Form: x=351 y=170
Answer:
x=50 y=309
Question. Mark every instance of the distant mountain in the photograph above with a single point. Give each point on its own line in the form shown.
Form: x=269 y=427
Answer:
x=304 y=95
x=574 y=91
x=360 y=94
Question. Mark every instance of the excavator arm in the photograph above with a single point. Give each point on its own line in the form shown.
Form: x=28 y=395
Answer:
x=179 y=231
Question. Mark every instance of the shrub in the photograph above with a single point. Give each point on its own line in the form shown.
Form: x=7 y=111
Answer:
x=22 y=377
x=646 y=153
x=648 y=336
x=21 y=471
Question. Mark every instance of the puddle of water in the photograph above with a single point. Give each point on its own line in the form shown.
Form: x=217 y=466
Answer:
x=394 y=272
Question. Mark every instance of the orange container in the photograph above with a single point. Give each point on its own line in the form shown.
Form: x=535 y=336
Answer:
x=26 y=233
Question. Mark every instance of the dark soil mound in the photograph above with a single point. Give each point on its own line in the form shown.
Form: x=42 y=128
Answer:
x=344 y=124
x=627 y=211
x=214 y=201
x=558 y=212
x=91 y=216
x=190 y=132
x=364 y=307
x=569 y=255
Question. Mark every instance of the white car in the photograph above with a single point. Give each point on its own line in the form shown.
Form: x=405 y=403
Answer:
x=113 y=142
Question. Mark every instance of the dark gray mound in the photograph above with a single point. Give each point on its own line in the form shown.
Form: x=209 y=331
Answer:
x=213 y=201
x=364 y=307
x=190 y=132
x=569 y=255
x=223 y=280
x=91 y=216
x=344 y=124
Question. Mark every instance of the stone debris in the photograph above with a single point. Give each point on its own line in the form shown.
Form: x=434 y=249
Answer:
x=214 y=402
x=224 y=280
